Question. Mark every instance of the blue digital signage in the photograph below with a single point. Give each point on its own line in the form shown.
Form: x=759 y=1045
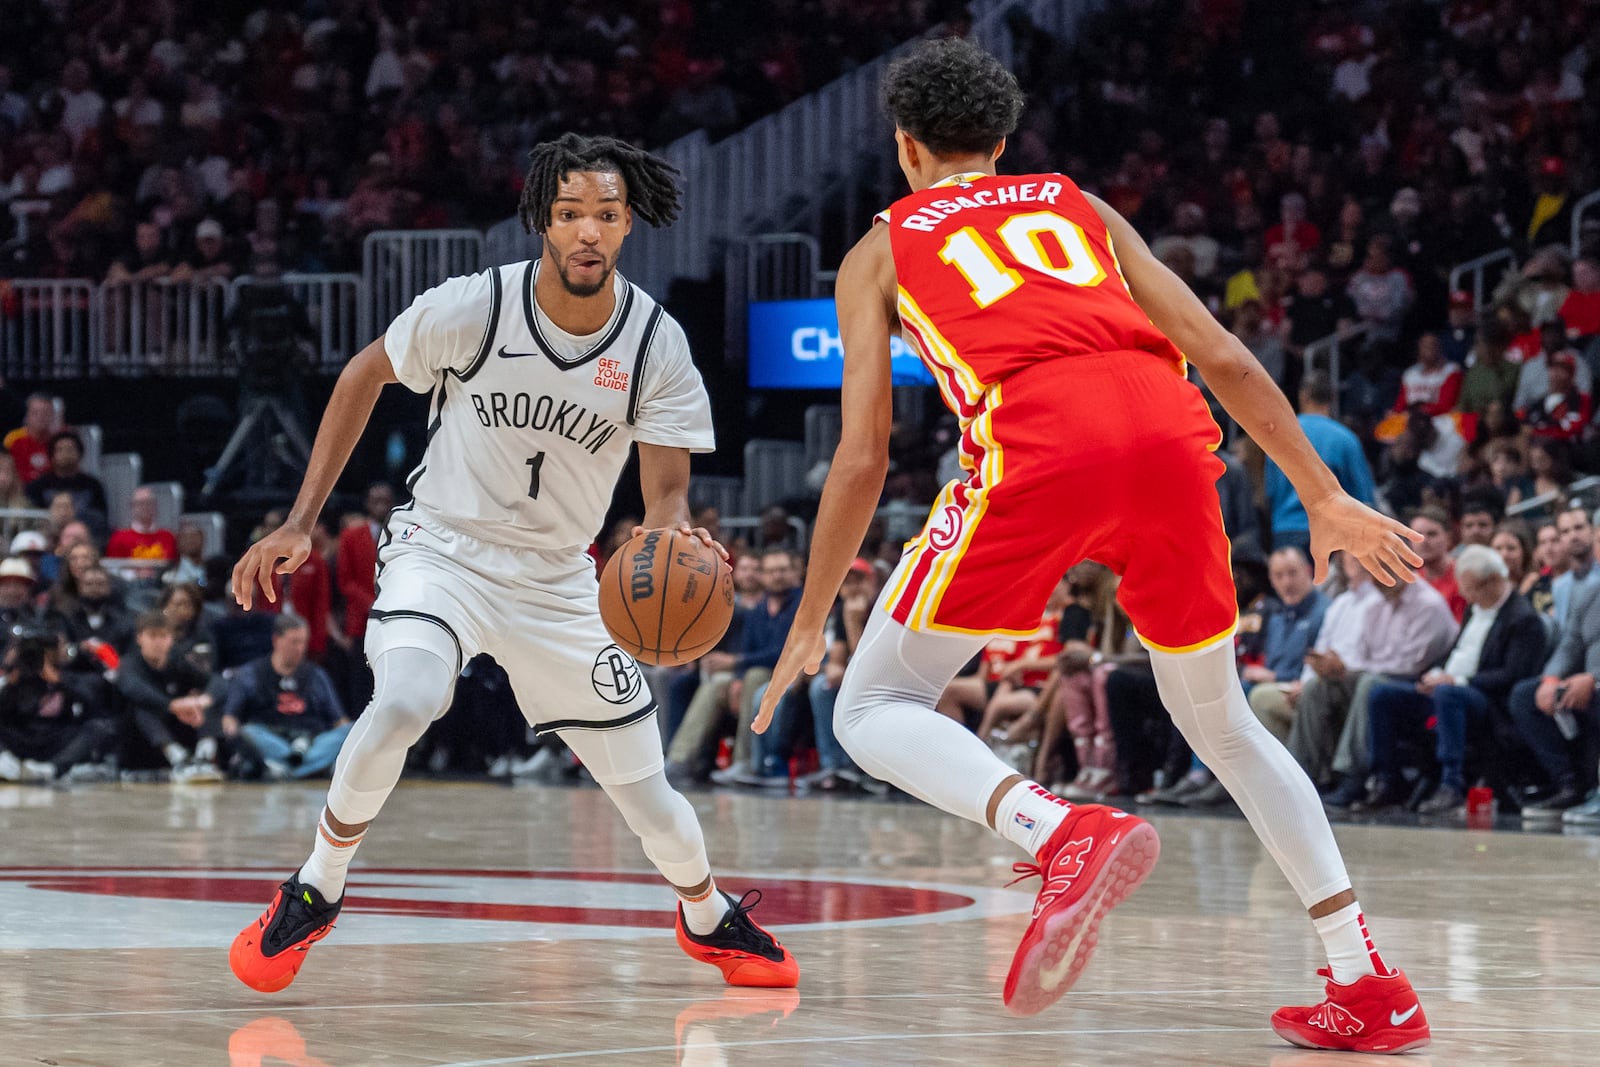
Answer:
x=794 y=344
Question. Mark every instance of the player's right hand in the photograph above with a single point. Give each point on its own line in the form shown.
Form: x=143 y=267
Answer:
x=280 y=552
x=1343 y=523
x=803 y=651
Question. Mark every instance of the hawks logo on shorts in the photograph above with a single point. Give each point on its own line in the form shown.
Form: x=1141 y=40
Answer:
x=616 y=676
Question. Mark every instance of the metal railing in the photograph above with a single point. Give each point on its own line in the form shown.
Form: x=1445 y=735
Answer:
x=1545 y=500
x=398 y=265
x=1477 y=269
x=162 y=326
x=47 y=327
x=1579 y=211
x=1332 y=347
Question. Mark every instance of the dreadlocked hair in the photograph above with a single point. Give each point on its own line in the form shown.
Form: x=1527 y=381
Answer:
x=652 y=185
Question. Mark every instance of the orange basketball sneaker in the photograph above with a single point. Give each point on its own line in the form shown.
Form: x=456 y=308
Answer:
x=1091 y=864
x=268 y=953
x=745 y=953
x=1376 y=1013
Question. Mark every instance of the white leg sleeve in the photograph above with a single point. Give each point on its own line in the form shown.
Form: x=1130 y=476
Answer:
x=1202 y=691
x=412 y=687
x=885 y=718
x=667 y=827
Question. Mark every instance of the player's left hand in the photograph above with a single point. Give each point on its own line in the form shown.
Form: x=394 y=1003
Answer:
x=1342 y=523
x=803 y=651
x=699 y=531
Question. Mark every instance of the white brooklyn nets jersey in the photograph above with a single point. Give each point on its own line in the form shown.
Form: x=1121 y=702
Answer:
x=530 y=426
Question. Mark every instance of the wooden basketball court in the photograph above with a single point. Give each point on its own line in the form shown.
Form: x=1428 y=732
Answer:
x=491 y=925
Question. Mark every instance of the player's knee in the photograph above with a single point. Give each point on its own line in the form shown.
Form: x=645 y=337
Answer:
x=413 y=688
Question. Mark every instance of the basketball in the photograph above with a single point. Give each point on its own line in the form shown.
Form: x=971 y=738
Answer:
x=666 y=597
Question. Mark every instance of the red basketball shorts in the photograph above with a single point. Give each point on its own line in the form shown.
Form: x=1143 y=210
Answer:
x=1106 y=457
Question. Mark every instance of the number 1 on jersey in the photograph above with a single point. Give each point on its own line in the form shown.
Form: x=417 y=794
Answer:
x=991 y=280
x=534 y=463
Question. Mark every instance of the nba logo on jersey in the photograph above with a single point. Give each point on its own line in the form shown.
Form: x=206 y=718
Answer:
x=409 y=530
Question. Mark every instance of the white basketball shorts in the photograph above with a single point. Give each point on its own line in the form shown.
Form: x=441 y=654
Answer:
x=538 y=614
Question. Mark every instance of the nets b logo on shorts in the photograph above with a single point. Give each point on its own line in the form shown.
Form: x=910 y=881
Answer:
x=616 y=676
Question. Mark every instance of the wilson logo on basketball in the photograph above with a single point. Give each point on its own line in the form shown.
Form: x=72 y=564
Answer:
x=642 y=582
x=947 y=533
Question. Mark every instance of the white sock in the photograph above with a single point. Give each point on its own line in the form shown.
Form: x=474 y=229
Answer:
x=330 y=859
x=1350 y=952
x=206 y=750
x=1028 y=814
x=176 y=754
x=701 y=914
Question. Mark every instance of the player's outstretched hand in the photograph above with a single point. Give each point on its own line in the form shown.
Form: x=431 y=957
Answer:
x=803 y=651
x=280 y=552
x=1343 y=523
x=699 y=531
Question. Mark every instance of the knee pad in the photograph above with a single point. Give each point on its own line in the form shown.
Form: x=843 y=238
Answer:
x=411 y=688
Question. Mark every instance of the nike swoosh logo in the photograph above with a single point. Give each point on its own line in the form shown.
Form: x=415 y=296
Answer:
x=514 y=355
x=1401 y=1018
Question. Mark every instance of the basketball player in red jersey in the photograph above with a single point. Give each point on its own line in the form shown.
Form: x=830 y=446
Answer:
x=1060 y=342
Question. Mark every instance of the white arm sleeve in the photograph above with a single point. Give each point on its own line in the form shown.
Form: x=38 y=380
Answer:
x=444 y=329
x=674 y=410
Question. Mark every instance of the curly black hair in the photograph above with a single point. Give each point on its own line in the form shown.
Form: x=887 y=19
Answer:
x=652 y=182
x=953 y=97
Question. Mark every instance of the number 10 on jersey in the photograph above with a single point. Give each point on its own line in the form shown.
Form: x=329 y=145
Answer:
x=992 y=279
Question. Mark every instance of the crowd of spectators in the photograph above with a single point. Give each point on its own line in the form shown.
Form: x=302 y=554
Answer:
x=171 y=138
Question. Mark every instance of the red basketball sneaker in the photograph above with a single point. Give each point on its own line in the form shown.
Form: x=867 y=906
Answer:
x=745 y=953
x=1377 y=1013
x=1091 y=864
x=268 y=953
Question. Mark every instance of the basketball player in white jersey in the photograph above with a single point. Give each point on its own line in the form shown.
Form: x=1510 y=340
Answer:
x=542 y=374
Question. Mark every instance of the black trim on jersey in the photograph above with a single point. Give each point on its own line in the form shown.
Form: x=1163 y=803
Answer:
x=489 y=328
x=388 y=520
x=599 y=347
x=639 y=362
x=406 y=613
x=438 y=412
x=589 y=724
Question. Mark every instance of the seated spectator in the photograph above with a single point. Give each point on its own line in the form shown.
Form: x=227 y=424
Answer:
x=1479 y=514
x=1460 y=335
x=1564 y=412
x=1291 y=623
x=1534 y=380
x=190 y=566
x=32 y=546
x=1338 y=447
x=835 y=770
x=1406 y=631
x=1332 y=665
x=1094 y=635
x=1502 y=643
x=1017 y=669
x=1437 y=566
x=1546 y=564
x=1581 y=309
x=49 y=724
x=183 y=606
x=29 y=444
x=169 y=703
x=1555 y=713
x=1432 y=384
x=67 y=476
x=1550 y=463
x=1251 y=328
x=692 y=751
x=16 y=594
x=1315 y=310
x=1578 y=570
x=1292 y=232
x=1508 y=471
x=1492 y=378
x=1382 y=294
x=146 y=260
x=285 y=709
x=211 y=259
x=142 y=539
x=13 y=494
x=98 y=613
